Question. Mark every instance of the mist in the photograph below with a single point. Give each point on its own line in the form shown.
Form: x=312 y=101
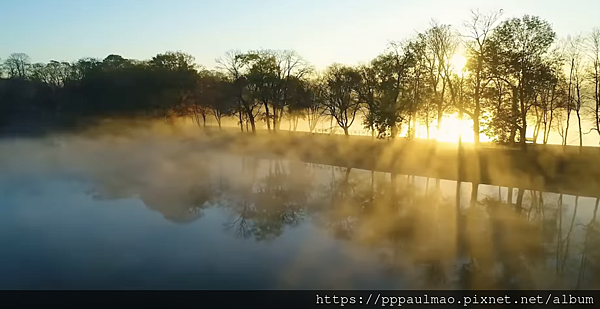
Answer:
x=155 y=200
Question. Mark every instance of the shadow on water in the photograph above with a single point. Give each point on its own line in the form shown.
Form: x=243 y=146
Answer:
x=405 y=227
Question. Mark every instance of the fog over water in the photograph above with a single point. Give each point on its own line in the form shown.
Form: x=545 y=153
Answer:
x=155 y=210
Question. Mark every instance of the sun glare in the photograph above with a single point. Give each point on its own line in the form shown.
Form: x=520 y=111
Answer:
x=458 y=63
x=452 y=128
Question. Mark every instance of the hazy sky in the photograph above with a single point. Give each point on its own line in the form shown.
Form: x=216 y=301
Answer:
x=323 y=31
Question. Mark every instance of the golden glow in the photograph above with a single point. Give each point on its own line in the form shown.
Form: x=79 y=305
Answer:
x=457 y=63
x=451 y=129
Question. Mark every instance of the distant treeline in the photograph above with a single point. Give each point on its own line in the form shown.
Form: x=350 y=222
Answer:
x=517 y=75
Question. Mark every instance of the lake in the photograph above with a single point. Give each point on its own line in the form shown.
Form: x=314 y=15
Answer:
x=164 y=213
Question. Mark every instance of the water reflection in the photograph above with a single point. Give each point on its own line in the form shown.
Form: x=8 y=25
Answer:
x=336 y=227
x=535 y=243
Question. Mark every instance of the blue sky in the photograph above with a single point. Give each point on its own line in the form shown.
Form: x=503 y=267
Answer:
x=323 y=31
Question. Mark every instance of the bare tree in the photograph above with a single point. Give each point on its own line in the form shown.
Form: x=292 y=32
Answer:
x=594 y=76
x=553 y=95
x=478 y=30
x=441 y=43
x=574 y=50
x=291 y=66
x=18 y=65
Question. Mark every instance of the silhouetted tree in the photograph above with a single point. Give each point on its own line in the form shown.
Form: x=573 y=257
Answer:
x=594 y=52
x=518 y=47
x=480 y=27
x=340 y=91
x=18 y=65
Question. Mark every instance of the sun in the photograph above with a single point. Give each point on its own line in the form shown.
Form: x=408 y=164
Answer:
x=457 y=63
x=453 y=128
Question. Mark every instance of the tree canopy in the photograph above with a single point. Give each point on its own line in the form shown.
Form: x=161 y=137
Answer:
x=517 y=75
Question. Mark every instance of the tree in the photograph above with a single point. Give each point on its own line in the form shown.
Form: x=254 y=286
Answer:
x=176 y=75
x=300 y=103
x=291 y=69
x=368 y=94
x=517 y=47
x=544 y=95
x=340 y=84
x=235 y=64
x=573 y=51
x=232 y=65
x=38 y=73
x=594 y=75
x=479 y=28
x=420 y=95
x=18 y=65
x=553 y=96
x=85 y=68
x=116 y=62
x=393 y=70
x=224 y=104
x=441 y=43
x=271 y=76
x=311 y=101
x=173 y=61
x=263 y=80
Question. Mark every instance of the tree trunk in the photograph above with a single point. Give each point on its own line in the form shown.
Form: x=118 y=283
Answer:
x=296 y=119
x=565 y=141
x=331 y=125
x=519 y=206
x=241 y=120
x=538 y=125
x=440 y=108
x=580 y=133
x=597 y=95
x=394 y=131
x=477 y=96
x=346 y=131
x=252 y=124
x=513 y=116
x=409 y=128
x=267 y=116
x=578 y=111
x=523 y=135
x=476 y=128
x=549 y=126
x=275 y=119
x=279 y=116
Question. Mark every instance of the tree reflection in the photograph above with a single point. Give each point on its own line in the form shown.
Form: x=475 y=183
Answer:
x=417 y=233
x=267 y=205
x=414 y=233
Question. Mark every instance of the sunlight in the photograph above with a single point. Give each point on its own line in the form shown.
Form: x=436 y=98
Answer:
x=458 y=63
x=452 y=127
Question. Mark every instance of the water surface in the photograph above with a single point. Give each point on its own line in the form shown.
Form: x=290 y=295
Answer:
x=155 y=213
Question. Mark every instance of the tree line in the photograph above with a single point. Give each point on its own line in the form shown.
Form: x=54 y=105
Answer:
x=517 y=75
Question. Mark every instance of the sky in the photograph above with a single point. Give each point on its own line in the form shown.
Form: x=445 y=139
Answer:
x=322 y=31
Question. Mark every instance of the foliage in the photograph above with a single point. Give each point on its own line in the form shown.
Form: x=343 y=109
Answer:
x=513 y=76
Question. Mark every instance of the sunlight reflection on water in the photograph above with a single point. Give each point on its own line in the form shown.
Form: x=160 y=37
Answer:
x=76 y=216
